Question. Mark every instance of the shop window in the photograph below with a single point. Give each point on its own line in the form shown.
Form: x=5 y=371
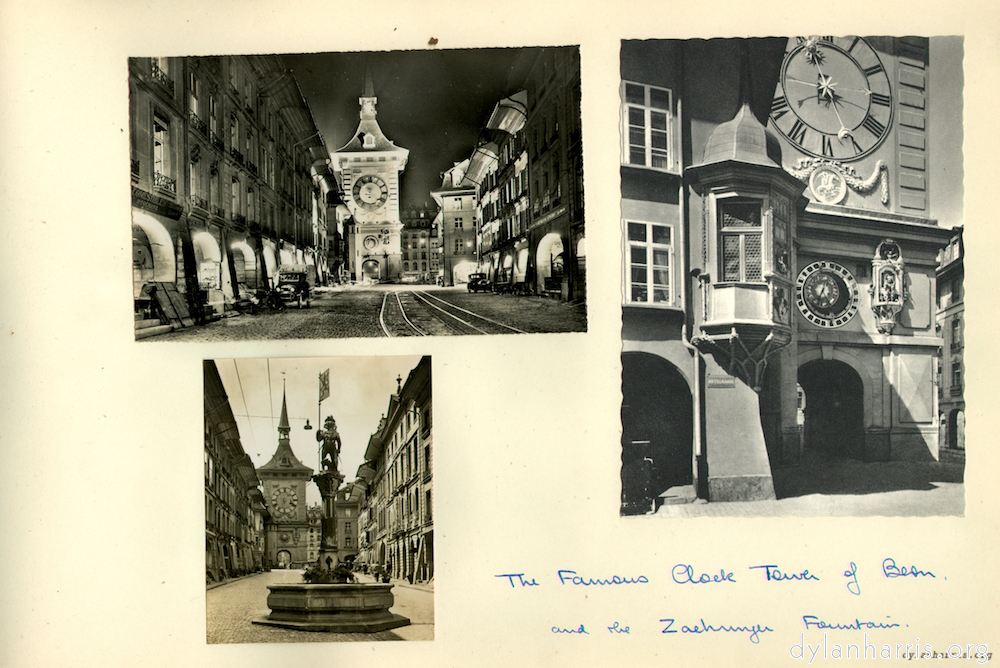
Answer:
x=740 y=231
x=650 y=253
x=646 y=121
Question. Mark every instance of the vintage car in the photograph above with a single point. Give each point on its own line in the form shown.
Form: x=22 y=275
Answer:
x=293 y=287
x=479 y=283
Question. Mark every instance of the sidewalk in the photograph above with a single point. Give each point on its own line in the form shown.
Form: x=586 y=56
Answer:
x=419 y=586
x=847 y=488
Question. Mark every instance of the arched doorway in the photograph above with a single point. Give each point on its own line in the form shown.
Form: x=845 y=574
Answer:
x=284 y=559
x=549 y=262
x=833 y=414
x=369 y=271
x=656 y=431
x=245 y=264
x=152 y=252
x=956 y=429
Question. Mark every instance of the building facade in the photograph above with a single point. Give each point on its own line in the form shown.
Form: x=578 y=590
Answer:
x=235 y=511
x=368 y=169
x=418 y=245
x=456 y=220
x=777 y=247
x=229 y=182
x=501 y=162
x=951 y=366
x=283 y=481
x=397 y=527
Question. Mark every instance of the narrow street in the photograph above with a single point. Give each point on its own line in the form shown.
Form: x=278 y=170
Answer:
x=232 y=607
x=395 y=310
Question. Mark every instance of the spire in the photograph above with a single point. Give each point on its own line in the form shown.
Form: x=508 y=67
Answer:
x=369 y=86
x=368 y=99
x=283 y=427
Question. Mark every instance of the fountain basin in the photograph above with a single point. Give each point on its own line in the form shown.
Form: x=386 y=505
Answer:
x=338 y=608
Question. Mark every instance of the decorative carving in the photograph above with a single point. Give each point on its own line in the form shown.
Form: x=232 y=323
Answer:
x=888 y=288
x=805 y=167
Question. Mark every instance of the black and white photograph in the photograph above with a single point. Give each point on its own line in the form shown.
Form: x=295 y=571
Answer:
x=319 y=531
x=793 y=276
x=365 y=194
x=735 y=235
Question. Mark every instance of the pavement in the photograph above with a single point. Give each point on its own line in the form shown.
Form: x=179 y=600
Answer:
x=232 y=606
x=830 y=487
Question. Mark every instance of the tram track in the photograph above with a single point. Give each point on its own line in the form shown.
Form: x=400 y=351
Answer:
x=419 y=313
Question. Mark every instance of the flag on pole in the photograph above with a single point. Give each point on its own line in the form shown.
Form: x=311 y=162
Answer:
x=324 y=385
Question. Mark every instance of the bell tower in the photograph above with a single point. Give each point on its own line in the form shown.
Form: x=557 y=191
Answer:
x=284 y=479
x=368 y=167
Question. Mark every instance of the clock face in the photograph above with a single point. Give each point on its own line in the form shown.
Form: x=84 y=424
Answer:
x=284 y=502
x=833 y=98
x=827 y=294
x=370 y=192
x=370 y=242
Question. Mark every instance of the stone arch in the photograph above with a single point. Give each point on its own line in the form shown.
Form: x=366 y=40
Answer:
x=549 y=259
x=208 y=259
x=245 y=262
x=956 y=429
x=657 y=431
x=871 y=379
x=150 y=235
x=521 y=268
x=834 y=420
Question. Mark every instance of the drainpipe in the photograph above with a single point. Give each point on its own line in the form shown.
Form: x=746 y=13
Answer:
x=686 y=300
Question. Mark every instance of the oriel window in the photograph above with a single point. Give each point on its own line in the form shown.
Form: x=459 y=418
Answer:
x=740 y=240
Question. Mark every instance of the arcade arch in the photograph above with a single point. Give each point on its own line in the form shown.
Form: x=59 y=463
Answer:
x=657 y=431
x=153 y=257
x=549 y=260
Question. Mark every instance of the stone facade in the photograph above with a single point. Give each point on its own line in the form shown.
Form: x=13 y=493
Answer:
x=396 y=521
x=229 y=182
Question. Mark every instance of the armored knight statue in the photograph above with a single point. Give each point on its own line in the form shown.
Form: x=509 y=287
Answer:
x=330 y=450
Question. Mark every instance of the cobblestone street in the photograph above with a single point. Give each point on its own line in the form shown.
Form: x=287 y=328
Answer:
x=232 y=607
x=375 y=312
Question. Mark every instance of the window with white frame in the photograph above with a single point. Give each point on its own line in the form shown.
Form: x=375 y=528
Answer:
x=646 y=124
x=740 y=241
x=650 y=255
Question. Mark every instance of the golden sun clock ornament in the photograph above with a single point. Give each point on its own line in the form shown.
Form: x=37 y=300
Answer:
x=833 y=99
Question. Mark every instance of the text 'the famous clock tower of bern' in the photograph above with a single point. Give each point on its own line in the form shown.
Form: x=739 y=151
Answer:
x=368 y=167
x=284 y=479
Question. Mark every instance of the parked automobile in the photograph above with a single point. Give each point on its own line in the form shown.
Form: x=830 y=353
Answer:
x=293 y=287
x=479 y=283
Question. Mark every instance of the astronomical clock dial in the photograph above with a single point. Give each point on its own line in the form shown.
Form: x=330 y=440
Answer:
x=370 y=242
x=284 y=502
x=833 y=98
x=370 y=192
x=827 y=294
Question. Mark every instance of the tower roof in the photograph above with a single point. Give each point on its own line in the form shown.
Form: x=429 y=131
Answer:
x=368 y=136
x=743 y=139
x=284 y=459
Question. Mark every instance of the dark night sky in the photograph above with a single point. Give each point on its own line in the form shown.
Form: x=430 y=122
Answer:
x=434 y=103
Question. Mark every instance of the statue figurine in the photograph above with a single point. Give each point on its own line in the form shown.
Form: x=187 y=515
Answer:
x=331 y=445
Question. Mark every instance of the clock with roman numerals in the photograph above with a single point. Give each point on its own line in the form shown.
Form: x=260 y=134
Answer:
x=833 y=99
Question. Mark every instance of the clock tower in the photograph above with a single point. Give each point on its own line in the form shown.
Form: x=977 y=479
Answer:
x=284 y=479
x=368 y=168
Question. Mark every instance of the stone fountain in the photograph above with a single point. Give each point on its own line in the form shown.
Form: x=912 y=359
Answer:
x=333 y=604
